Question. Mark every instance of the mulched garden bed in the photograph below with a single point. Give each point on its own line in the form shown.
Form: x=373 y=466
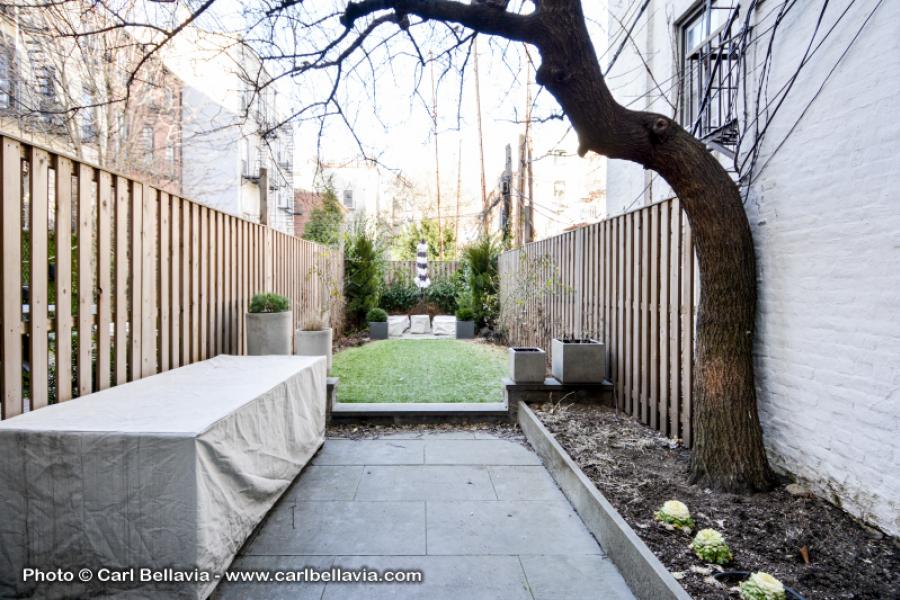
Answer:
x=638 y=469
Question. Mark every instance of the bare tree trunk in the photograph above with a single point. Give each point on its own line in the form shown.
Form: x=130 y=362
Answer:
x=728 y=451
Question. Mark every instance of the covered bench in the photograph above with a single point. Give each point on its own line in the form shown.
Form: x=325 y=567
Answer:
x=171 y=471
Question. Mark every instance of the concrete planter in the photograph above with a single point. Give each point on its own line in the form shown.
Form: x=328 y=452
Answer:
x=313 y=343
x=465 y=330
x=527 y=365
x=268 y=333
x=378 y=330
x=578 y=361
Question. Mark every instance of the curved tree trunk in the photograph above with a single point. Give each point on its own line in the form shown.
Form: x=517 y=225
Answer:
x=728 y=450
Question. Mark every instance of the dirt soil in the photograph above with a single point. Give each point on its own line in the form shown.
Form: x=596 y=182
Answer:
x=638 y=469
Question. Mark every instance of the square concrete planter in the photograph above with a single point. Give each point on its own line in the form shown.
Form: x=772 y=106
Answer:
x=378 y=330
x=578 y=360
x=313 y=343
x=465 y=330
x=527 y=365
x=268 y=333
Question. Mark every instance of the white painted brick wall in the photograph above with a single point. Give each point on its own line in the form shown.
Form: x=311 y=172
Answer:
x=826 y=218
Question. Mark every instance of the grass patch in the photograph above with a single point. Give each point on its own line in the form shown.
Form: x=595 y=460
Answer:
x=420 y=371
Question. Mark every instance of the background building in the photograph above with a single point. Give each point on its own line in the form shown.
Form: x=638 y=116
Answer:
x=234 y=135
x=71 y=94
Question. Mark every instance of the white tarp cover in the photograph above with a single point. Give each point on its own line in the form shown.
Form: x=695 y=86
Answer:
x=420 y=324
x=397 y=325
x=444 y=325
x=173 y=470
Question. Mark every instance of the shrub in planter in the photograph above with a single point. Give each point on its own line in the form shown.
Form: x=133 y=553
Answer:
x=313 y=338
x=709 y=545
x=268 y=325
x=465 y=324
x=378 y=327
x=675 y=514
x=762 y=586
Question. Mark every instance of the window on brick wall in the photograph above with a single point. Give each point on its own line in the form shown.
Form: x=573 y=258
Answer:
x=88 y=118
x=710 y=59
x=6 y=78
x=147 y=142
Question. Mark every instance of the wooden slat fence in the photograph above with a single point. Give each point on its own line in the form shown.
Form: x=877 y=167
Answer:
x=406 y=269
x=107 y=280
x=629 y=281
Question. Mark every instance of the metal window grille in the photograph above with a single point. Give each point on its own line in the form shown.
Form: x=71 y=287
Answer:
x=711 y=53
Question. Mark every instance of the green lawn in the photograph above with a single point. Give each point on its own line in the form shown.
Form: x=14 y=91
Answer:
x=420 y=371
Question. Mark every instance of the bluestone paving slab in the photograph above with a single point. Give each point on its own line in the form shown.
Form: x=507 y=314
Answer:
x=428 y=435
x=507 y=527
x=371 y=452
x=330 y=528
x=524 y=483
x=445 y=578
x=321 y=482
x=425 y=482
x=574 y=577
x=274 y=591
x=478 y=452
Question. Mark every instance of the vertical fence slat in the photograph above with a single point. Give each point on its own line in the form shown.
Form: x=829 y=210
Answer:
x=148 y=281
x=195 y=282
x=63 y=279
x=104 y=279
x=122 y=272
x=39 y=289
x=663 y=341
x=12 y=279
x=674 y=326
x=204 y=283
x=653 y=337
x=687 y=330
x=163 y=281
x=137 y=272
x=645 y=316
x=85 y=278
x=175 y=289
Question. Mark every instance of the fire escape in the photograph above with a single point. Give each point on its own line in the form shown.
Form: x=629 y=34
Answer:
x=712 y=65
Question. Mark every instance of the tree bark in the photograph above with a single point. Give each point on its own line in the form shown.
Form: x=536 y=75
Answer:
x=728 y=452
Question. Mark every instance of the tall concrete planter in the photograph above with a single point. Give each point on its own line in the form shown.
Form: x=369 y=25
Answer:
x=268 y=333
x=378 y=330
x=313 y=343
x=578 y=360
x=527 y=365
x=465 y=330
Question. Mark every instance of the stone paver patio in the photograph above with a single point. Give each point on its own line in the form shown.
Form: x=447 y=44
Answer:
x=478 y=515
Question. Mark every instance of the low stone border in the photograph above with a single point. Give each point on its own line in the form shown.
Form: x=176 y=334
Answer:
x=642 y=570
